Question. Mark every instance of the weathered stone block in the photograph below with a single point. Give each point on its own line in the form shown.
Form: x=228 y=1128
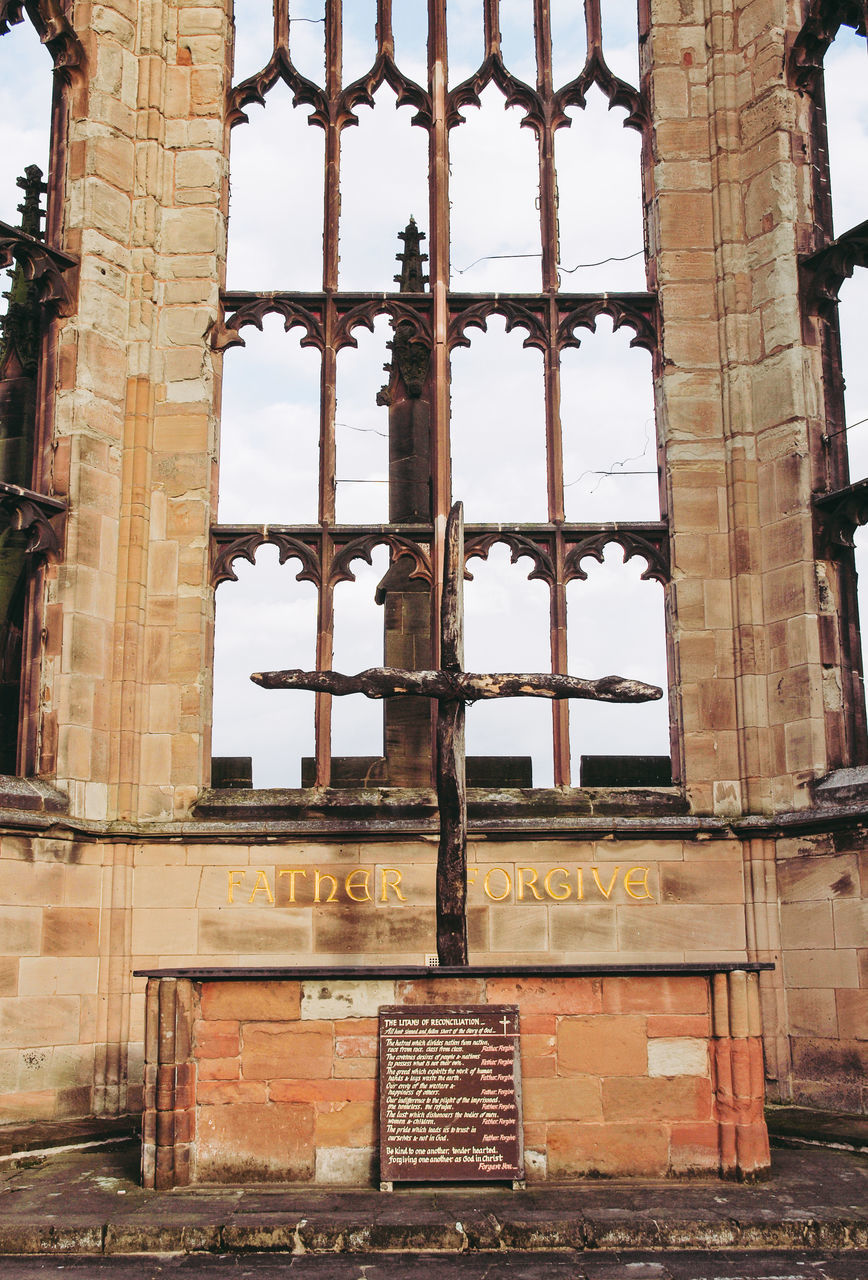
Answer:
x=251 y=1001
x=823 y=968
x=541 y=995
x=587 y=1043
x=636 y=1149
x=70 y=931
x=562 y=1099
x=251 y=1141
x=346 y=1124
x=345 y=999
x=686 y=994
x=286 y=1050
x=681 y=1056
x=682 y=1098
x=216 y=1038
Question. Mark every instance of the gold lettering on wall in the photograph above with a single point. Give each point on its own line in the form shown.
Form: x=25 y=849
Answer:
x=607 y=893
x=632 y=875
x=258 y=886
x=564 y=886
x=318 y=878
x=235 y=878
x=390 y=878
x=292 y=872
x=261 y=886
x=497 y=897
x=529 y=875
x=351 y=885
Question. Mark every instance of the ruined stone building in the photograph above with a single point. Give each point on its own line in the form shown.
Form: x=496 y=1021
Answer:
x=126 y=840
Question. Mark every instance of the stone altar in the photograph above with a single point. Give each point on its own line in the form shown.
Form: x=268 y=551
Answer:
x=270 y=1074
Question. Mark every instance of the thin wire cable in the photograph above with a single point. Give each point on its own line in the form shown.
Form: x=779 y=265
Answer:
x=568 y=271
x=365 y=430
x=621 y=465
x=491 y=257
x=860 y=422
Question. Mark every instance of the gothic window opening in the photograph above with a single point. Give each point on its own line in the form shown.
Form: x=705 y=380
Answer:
x=276 y=243
x=601 y=220
x=269 y=455
x=569 y=43
x=268 y=616
x=362 y=429
x=410 y=37
x=25 y=112
x=846 y=106
x=493 y=189
x=477 y=324
x=610 y=439
x=498 y=426
x=384 y=167
x=252 y=41
x=359 y=21
x=597 y=643
x=852 y=310
x=517 y=40
x=500 y=588
x=358 y=722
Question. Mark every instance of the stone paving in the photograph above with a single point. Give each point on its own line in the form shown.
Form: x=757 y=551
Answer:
x=90 y=1202
x=753 y=1265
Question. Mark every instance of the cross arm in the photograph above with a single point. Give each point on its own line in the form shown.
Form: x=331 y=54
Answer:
x=390 y=682
x=375 y=682
x=476 y=688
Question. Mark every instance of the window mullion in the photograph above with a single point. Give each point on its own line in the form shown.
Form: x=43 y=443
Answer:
x=438 y=178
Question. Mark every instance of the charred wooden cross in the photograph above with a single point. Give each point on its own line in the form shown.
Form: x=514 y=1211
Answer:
x=453 y=688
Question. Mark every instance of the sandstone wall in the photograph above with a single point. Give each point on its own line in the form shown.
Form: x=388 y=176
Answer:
x=124 y=686
x=823 y=882
x=50 y=929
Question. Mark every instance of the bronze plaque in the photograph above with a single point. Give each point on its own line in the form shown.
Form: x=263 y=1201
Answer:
x=450 y=1093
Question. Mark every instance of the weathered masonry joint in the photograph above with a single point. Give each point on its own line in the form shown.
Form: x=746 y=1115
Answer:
x=202 y=455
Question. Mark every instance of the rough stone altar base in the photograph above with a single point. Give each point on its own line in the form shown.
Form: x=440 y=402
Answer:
x=275 y=1079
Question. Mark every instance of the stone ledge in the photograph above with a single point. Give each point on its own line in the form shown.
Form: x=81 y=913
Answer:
x=842 y=787
x=45 y=1135
x=483 y=805
x=826 y=1128
x=414 y=813
x=355 y=972
x=31 y=795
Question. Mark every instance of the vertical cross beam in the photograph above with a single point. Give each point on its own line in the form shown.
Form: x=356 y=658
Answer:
x=451 y=784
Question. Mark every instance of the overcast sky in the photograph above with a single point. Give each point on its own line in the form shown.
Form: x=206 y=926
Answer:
x=270 y=414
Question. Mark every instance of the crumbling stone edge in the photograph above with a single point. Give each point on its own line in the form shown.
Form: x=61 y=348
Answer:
x=481 y=1236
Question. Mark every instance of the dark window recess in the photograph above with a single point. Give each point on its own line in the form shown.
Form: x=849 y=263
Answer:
x=366 y=771
x=231 y=771
x=626 y=771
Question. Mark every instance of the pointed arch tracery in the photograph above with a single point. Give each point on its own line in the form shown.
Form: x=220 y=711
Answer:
x=53 y=27
x=431 y=320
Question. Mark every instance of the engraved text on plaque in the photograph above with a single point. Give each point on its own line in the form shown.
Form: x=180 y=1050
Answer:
x=450 y=1093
